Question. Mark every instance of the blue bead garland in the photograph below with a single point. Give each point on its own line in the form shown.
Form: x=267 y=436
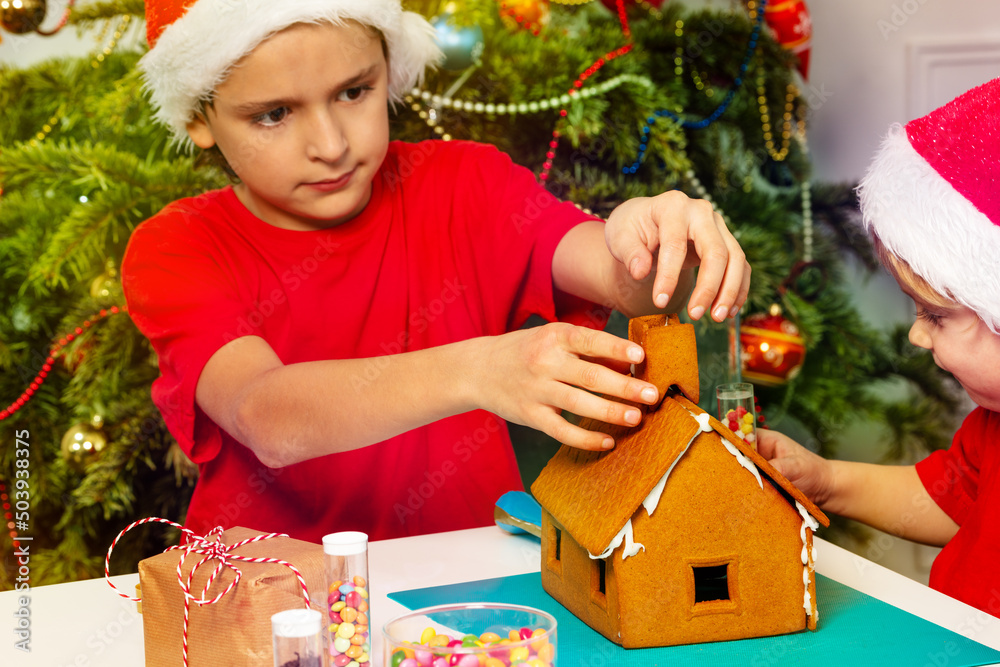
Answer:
x=719 y=110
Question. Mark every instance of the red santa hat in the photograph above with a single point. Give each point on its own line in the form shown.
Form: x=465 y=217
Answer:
x=194 y=43
x=932 y=195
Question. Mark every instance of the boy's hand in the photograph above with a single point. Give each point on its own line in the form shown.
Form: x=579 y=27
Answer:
x=811 y=473
x=530 y=376
x=683 y=233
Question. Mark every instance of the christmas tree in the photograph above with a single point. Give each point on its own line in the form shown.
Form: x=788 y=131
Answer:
x=603 y=103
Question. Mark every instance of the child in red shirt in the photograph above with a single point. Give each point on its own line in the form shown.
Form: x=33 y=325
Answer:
x=339 y=332
x=930 y=203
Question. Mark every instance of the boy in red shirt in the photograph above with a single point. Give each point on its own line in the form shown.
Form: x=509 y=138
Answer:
x=930 y=203
x=338 y=333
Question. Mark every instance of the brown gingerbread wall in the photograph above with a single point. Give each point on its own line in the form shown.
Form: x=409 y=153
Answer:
x=570 y=580
x=711 y=514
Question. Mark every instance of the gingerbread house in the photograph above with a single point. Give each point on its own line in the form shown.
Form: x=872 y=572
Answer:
x=682 y=533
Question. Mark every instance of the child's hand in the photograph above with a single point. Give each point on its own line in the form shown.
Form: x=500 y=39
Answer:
x=530 y=376
x=811 y=473
x=683 y=233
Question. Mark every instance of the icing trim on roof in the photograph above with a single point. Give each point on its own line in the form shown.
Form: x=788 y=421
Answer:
x=652 y=500
x=808 y=558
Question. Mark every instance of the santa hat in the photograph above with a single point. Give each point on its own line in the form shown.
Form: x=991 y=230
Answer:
x=194 y=43
x=932 y=195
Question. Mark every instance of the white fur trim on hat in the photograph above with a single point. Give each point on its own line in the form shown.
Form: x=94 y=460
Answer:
x=924 y=221
x=195 y=53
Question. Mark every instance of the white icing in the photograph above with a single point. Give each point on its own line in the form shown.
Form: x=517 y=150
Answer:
x=702 y=420
x=806 y=516
x=631 y=547
x=743 y=461
x=615 y=542
x=652 y=499
x=808 y=557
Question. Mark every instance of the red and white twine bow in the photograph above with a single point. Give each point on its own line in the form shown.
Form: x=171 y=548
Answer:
x=211 y=547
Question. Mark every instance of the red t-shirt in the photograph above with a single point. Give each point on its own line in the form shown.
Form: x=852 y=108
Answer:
x=456 y=242
x=964 y=481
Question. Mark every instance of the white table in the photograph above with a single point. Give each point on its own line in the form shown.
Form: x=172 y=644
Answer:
x=85 y=624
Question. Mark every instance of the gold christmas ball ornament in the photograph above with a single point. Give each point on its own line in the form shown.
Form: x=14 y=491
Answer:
x=105 y=286
x=83 y=443
x=22 y=16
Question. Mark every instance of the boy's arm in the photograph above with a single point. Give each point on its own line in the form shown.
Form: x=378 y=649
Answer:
x=291 y=413
x=890 y=498
x=642 y=259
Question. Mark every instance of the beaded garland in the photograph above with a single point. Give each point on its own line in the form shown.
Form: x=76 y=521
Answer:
x=56 y=349
x=11 y=525
x=418 y=99
x=791 y=92
x=53 y=120
x=757 y=13
x=623 y=17
x=807 y=212
x=590 y=71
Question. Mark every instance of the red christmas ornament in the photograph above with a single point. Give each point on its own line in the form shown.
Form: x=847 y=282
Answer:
x=792 y=28
x=772 y=349
x=530 y=15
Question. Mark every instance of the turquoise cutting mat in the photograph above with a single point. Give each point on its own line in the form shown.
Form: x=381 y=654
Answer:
x=854 y=629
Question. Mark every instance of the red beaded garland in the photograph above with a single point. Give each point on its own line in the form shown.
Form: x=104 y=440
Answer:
x=590 y=71
x=623 y=17
x=57 y=349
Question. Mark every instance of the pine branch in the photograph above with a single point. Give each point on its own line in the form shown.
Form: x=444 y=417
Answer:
x=86 y=15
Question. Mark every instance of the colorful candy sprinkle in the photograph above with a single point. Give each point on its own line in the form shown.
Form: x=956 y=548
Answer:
x=348 y=624
x=429 y=651
x=741 y=423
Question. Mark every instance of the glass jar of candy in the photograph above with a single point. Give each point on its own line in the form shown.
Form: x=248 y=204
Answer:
x=471 y=634
x=349 y=626
x=298 y=638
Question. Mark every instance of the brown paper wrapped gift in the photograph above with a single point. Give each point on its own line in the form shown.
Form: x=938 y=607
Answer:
x=236 y=630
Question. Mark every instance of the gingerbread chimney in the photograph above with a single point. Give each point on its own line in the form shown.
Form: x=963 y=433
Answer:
x=671 y=353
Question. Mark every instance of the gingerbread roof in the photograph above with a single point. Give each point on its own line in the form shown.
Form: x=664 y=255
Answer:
x=594 y=494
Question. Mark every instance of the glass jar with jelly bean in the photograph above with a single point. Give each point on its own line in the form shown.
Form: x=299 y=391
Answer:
x=347 y=600
x=298 y=638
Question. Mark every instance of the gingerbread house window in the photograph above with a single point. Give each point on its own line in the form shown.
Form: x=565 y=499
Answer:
x=599 y=583
x=711 y=583
x=714 y=585
x=554 y=559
